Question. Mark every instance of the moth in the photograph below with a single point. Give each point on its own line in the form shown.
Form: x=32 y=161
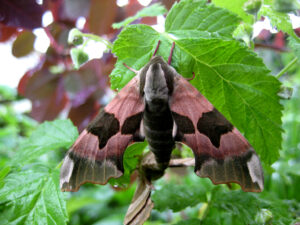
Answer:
x=161 y=106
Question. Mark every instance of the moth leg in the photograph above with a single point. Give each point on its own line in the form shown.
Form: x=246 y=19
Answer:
x=192 y=78
x=171 y=53
x=174 y=131
x=158 y=43
x=139 y=135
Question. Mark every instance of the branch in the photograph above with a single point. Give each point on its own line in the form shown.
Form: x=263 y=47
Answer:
x=286 y=68
x=270 y=46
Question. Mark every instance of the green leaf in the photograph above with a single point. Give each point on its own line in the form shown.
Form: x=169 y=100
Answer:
x=130 y=160
x=236 y=82
x=134 y=53
x=7 y=93
x=286 y=6
x=195 y=15
x=3 y=172
x=189 y=222
x=23 y=45
x=295 y=46
x=280 y=20
x=264 y=216
x=75 y=37
x=235 y=6
x=252 y=6
x=48 y=136
x=178 y=196
x=232 y=77
x=33 y=197
x=79 y=57
x=244 y=32
x=230 y=208
x=153 y=10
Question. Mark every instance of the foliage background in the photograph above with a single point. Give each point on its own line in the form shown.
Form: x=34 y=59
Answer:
x=31 y=153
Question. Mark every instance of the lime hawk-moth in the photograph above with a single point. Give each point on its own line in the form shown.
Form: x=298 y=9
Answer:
x=161 y=106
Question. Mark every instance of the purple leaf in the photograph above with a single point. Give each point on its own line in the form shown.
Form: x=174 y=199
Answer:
x=21 y=13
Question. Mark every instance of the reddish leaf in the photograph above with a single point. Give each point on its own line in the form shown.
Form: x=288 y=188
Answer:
x=67 y=10
x=88 y=81
x=21 y=13
x=168 y=3
x=279 y=40
x=23 y=45
x=264 y=35
x=58 y=34
x=86 y=88
x=297 y=31
x=7 y=32
x=83 y=114
x=46 y=92
x=24 y=80
x=102 y=15
x=41 y=85
x=149 y=20
x=132 y=8
x=23 y=83
x=48 y=108
x=55 y=7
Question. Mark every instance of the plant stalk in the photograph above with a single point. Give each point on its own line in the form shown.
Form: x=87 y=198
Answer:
x=285 y=69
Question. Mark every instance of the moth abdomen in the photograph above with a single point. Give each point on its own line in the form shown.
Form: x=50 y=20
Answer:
x=158 y=128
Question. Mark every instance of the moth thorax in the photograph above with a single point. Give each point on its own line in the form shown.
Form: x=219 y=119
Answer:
x=156 y=90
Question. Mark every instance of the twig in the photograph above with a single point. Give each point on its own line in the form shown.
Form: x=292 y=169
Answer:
x=58 y=48
x=99 y=39
x=287 y=67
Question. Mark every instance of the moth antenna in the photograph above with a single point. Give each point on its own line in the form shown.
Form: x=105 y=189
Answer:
x=191 y=78
x=158 y=43
x=131 y=69
x=171 y=53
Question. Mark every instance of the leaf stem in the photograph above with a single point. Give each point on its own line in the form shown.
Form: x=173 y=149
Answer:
x=99 y=39
x=285 y=69
x=59 y=164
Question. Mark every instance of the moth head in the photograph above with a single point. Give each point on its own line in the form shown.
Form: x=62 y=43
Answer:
x=155 y=88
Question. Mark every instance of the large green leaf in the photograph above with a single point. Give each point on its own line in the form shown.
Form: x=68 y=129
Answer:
x=178 y=196
x=235 y=6
x=32 y=197
x=236 y=81
x=189 y=18
x=295 y=46
x=153 y=10
x=130 y=161
x=48 y=136
x=232 y=207
x=195 y=15
x=189 y=222
x=134 y=47
x=232 y=77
